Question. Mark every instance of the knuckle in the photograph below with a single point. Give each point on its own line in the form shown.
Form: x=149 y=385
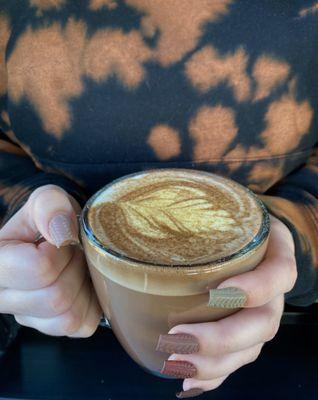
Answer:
x=255 y=354
x=254 y=358
x=293 y=274
x=272 y=331
x=225 y=344
x=31 y=266
x=46 y=273
x=88 y=332
x=288 y=260
x=271 y=321
x=260 y=296
x=216 y=383
x=72 y=323
x=59 y=299
x=278 y=224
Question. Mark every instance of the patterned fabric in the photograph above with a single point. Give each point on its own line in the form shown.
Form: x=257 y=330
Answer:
x=94 y=89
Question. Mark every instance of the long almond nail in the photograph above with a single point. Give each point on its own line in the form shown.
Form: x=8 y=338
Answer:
x=179 y=369
x=179 y=343
x=185 y=394
x=230 y=297
x=61 y=230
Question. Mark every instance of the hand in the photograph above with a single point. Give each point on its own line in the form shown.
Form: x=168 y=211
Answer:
x=224 y=346
x=46 y=286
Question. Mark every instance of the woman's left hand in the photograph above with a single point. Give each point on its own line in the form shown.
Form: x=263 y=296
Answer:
x=220 y=348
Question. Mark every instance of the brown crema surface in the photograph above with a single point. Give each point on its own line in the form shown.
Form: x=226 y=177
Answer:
x=175 y=219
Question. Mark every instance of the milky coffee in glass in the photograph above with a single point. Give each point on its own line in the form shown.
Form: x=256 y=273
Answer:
x=156 y=241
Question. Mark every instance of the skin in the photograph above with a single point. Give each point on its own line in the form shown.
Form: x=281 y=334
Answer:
x=48 y=289
x=45 y=287
x=237 y=340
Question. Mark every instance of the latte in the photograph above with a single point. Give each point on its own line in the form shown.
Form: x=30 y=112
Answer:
x=156 y=241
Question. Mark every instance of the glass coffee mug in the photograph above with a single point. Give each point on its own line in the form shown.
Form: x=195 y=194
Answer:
x=142 y=300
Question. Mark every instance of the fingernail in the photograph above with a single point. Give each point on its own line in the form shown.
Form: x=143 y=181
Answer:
x=179 y=343
x=230 y=297
x=179 y=369
x=61 y=230
x=185 y=394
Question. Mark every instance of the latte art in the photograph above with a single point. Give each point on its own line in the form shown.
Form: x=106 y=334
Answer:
x=174 y=210
x=175 y=219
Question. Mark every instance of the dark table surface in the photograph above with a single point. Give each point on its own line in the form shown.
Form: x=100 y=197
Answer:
x=48 y=368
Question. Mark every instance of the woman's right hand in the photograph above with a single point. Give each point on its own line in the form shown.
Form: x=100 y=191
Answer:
x=47 y=286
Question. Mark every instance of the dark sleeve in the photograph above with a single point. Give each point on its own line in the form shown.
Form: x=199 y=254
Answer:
x=8 y=331
x=19 y=177
x=295 y=202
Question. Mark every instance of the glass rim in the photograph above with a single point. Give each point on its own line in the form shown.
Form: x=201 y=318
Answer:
x=256 y=241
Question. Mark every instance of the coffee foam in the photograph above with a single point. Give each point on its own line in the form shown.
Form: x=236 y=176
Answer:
x=175 y=217
x=165 y=280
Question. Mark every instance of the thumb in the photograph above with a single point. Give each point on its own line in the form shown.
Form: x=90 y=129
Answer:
x=49 y=211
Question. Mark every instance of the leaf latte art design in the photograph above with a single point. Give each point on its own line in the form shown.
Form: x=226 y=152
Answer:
x=173 y=222
x=178 y=211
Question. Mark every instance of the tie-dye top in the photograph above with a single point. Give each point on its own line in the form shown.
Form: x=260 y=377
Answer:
x=91 y=90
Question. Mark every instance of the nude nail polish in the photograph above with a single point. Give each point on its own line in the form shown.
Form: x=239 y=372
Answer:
x=179 y=343
x=230 y=297
x=62 y=231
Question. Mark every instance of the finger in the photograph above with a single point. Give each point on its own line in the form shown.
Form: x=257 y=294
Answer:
x=208 y=368
x=205 y=386
x=26 y=266
x=65 y=324
x=49 y=301
x=275 y=275
x=92 y=319
x=237 y=332
x=48 y=211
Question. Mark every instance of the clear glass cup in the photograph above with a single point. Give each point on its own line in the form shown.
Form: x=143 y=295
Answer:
x=142 y=300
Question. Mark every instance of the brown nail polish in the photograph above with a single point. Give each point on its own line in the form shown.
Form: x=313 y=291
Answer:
x=179 y=369
x=179 y=343
x=185 y=394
